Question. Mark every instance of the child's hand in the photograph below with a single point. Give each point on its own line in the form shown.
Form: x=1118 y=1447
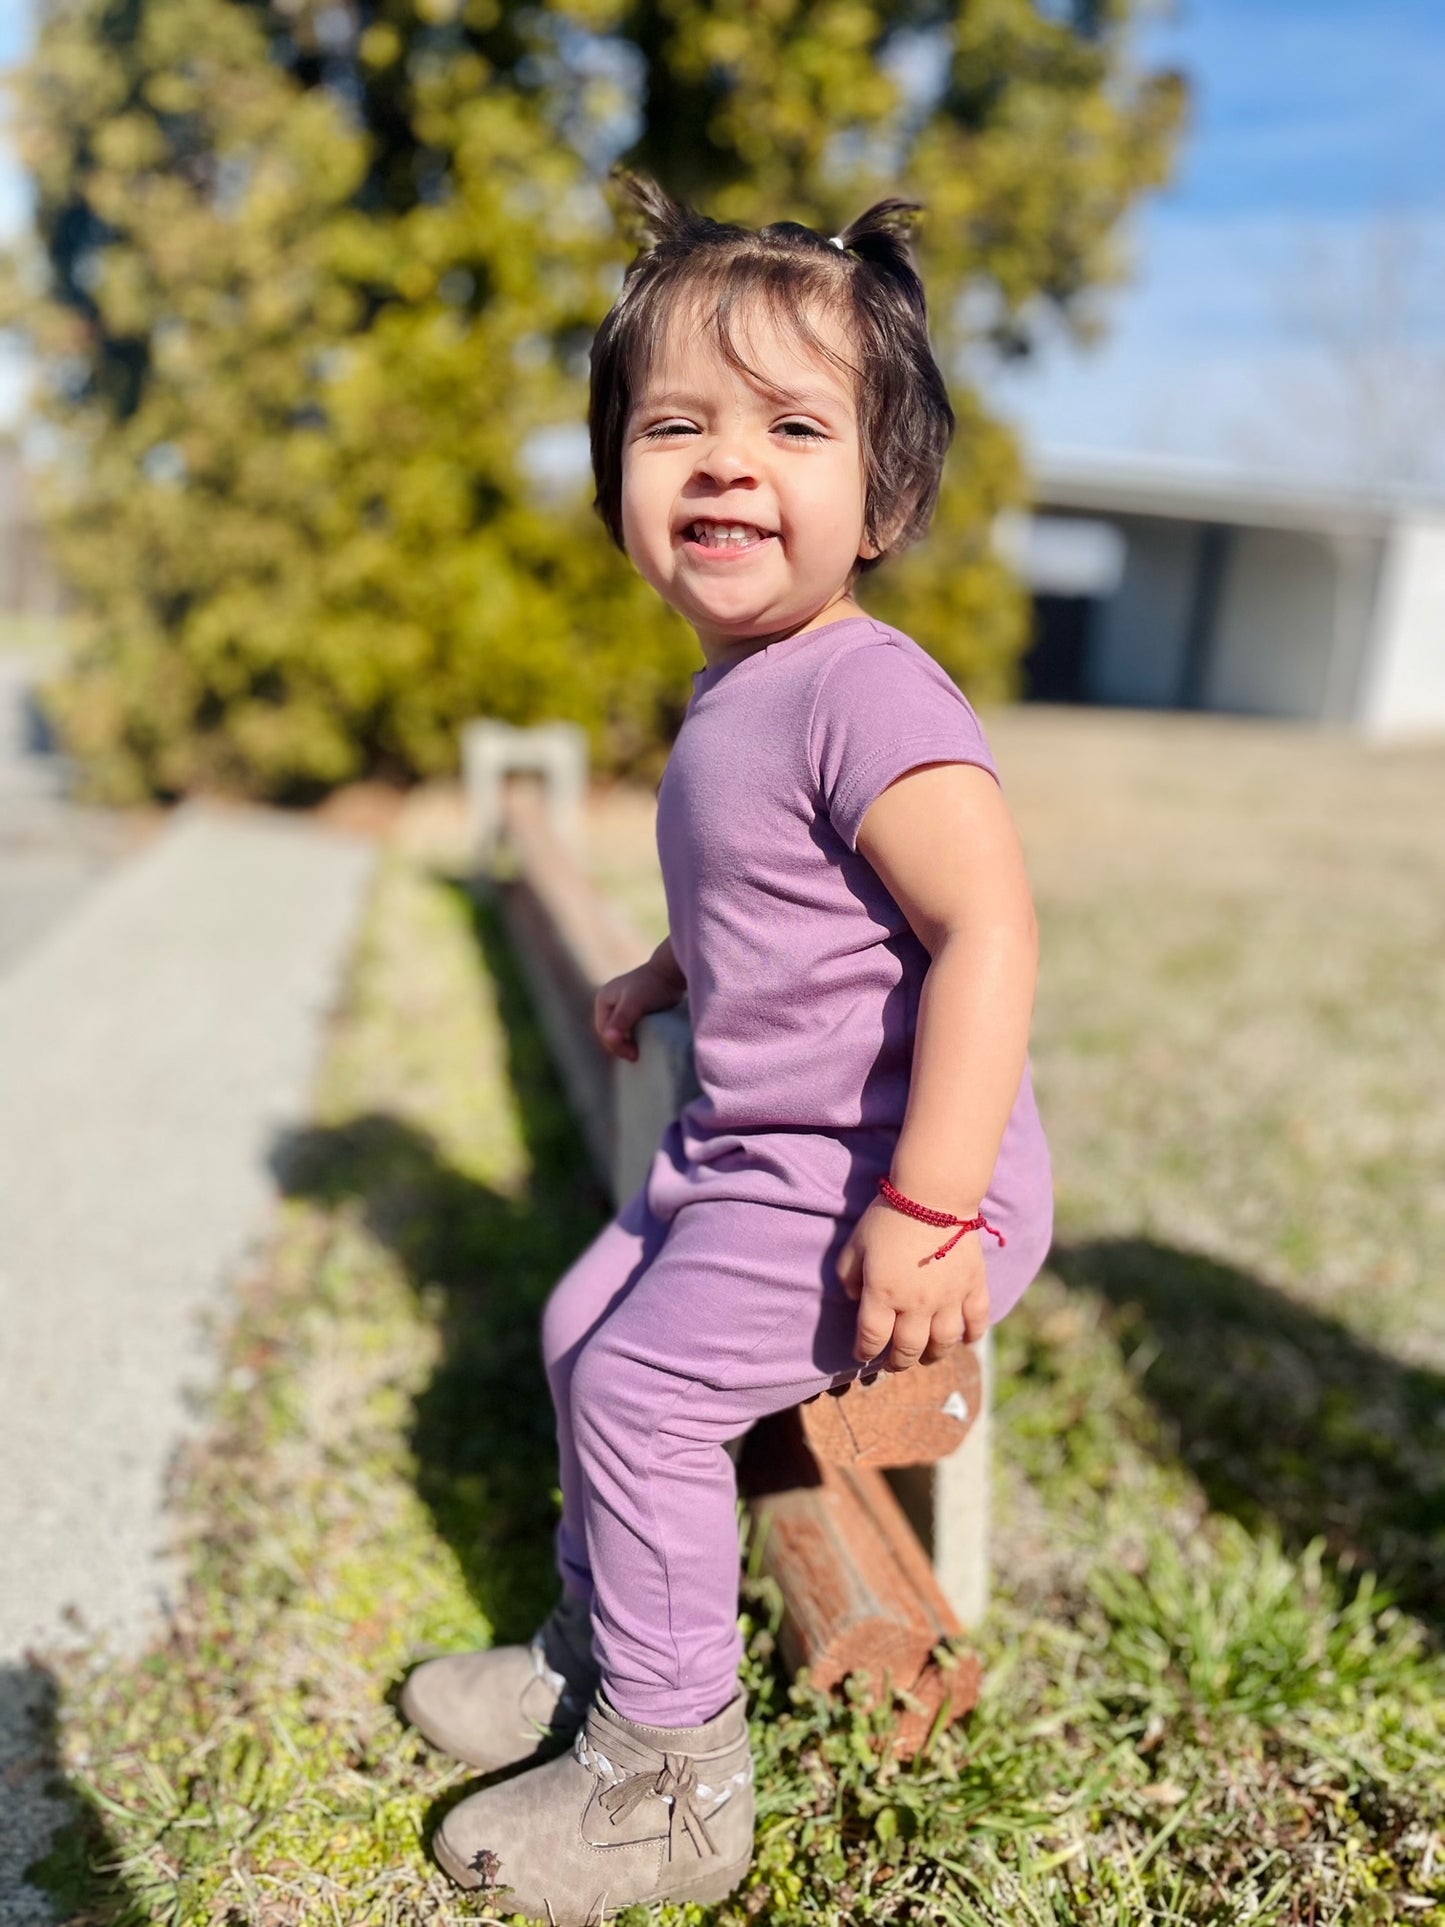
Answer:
x=623 y=1000
x=910 y=1303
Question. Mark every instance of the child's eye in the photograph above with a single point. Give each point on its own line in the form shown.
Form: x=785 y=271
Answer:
x=667 y=428
x=801 y=431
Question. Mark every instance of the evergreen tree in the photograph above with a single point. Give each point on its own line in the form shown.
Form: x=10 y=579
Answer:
x=312 y=278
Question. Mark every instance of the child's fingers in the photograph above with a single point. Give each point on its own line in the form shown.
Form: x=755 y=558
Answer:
x=604 y=1013
x=850 y=1269
x=616 y=1037
x=910 y=1340
x=976 y=1313
x=944 y=1333
x=875 y=1326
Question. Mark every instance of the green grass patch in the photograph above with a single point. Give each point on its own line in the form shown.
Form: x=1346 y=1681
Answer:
x=1199 y=1706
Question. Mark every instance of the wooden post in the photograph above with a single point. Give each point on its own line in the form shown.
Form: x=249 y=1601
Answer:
x=947 y=1504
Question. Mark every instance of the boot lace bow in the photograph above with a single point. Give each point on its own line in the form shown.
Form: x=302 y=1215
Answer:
x=676 y=1783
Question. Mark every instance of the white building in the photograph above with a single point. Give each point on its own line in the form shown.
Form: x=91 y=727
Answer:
x=1169 y=584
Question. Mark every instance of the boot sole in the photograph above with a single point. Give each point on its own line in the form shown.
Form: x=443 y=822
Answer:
x=455 y=1869
x=720 y=1884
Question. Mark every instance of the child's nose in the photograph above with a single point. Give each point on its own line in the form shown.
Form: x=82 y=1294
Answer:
x=727 y=461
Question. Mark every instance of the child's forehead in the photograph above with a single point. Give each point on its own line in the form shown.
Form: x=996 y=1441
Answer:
x=756 y=347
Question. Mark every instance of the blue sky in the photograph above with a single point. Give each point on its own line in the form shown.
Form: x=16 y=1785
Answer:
x=1291 y=279
x=1286 y=301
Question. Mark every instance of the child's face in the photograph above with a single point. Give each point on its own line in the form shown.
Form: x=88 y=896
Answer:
x=743 y=505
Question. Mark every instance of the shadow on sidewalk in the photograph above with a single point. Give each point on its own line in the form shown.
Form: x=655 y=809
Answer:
x=43 y=1821
x=1284 y=1416
x=483 y=1430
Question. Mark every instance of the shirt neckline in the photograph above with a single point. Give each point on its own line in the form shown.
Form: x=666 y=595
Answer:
x=713 y=673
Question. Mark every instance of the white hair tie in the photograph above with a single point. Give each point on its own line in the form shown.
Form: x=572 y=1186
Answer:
x=836 y=241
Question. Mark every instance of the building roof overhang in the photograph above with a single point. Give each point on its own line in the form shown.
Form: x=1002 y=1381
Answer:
x=1176 y=489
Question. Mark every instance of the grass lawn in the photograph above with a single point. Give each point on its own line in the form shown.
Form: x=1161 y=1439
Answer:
x=1214 y=1687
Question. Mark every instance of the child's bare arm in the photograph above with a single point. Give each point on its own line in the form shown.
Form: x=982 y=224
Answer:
x=657 y=984
x=943 y=842
x=664 y=961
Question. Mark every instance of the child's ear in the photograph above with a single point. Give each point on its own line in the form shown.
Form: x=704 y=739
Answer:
x=870 y=547
x=877 y=540
x=880 y=539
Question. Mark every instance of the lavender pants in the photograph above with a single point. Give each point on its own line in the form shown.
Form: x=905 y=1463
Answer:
x=666 y=1339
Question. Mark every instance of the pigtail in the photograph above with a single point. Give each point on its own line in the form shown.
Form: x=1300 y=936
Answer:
x=909 y=435
x=657 y=223
x=882 y=236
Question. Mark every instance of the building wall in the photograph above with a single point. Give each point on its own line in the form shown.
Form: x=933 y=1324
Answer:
x=1280 y=622
x=1404 y=691
x=1258 y=599
x=1276 y=628
x=1138 y=634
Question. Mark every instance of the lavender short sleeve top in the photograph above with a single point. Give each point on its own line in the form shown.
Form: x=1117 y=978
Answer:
x=803 y=974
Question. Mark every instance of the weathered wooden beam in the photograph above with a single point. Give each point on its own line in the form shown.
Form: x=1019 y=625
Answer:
x=929 y=1429
x=567 y=940
x=859 y=1596
x=898 y=1418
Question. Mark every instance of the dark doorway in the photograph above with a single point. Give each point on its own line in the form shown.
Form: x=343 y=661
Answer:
x=1054 y=667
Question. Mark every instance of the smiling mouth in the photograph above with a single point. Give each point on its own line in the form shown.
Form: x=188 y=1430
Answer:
x=730 y=536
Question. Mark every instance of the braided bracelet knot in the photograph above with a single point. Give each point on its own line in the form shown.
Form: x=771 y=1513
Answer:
x=928 y=1215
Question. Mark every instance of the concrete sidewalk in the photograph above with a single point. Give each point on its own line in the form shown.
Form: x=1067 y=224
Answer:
x=154 y=1041
x=53 y=851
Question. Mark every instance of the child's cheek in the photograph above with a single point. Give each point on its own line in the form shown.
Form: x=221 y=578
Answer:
x=633 y=528
x=644 y=525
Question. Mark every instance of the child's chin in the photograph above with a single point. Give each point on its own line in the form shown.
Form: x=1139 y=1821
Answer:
x=730 y=612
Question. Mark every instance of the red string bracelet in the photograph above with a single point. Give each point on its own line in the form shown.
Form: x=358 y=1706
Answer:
x=896 y=1198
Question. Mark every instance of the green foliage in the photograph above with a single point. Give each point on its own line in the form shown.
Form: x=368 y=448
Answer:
x=311 y=280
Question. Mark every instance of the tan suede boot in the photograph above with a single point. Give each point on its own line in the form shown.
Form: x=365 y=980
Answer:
x=632 y=1813
x=511 y=1703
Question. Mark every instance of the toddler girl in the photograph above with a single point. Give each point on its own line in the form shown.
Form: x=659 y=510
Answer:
x=851 y=923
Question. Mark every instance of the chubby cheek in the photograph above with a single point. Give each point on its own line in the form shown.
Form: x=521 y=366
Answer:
x=644 y=528
x=833 y=523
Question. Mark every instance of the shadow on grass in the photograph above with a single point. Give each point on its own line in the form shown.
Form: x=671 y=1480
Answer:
x=1283 y=1415
x=483 y=1430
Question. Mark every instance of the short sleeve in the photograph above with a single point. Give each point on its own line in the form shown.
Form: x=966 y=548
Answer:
x=883 y=710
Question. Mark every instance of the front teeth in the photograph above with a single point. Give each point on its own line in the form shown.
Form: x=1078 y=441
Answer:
x=717 y=535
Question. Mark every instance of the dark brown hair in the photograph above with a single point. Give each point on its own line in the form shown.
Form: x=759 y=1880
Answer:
x=904 y=418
